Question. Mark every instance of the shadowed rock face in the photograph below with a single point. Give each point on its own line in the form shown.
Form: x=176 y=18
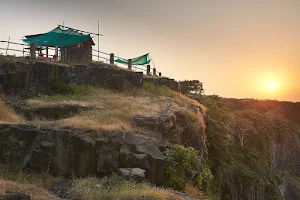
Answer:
x=15 y=196
x=63 y=152
x=51 y=112
x=174 y=126
x=38 y=77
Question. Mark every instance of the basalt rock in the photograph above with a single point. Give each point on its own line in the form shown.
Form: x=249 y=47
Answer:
x=69 y=152
x=175 y=126
x=52 y=112
x=132 y=173
x=15 y=196
x=38 y=77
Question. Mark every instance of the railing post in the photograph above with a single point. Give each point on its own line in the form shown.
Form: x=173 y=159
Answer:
x=130 y=64
x=56 y=52
x=112 y=59
x=148 y=70
x=32 y=50
x=154 y=71
x=159 y=74
x=47 y=52
x=7 y=44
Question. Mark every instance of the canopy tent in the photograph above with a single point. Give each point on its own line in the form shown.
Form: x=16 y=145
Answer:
x=59 y=37
x=141 y=60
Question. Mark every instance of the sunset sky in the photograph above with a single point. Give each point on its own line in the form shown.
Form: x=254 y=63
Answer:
x=237 y=48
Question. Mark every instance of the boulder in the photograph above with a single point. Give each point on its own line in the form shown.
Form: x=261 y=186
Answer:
x=61 y=188
x=108 y=162
x=131 y=173
x=15 y=196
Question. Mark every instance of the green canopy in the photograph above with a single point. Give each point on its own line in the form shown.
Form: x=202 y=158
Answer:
x=59 y=37
x=142 y=60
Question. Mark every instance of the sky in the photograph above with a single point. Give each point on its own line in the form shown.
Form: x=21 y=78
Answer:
x=237 y=48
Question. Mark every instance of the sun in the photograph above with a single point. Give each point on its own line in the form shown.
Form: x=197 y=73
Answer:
x=271 y=85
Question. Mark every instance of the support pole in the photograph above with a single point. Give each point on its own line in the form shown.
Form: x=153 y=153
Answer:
x=32 y=50
x=148 y=70
x=56 y=53
x=154 y=71
x=98 y=39
x=47 y=52
x=7 y=44
x=112 y=59
x=130 y=64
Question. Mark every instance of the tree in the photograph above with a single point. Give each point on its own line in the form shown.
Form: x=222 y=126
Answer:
x=242 y=126
x=192 y=86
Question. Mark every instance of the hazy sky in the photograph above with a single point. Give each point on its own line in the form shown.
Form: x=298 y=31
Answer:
x=234 y=47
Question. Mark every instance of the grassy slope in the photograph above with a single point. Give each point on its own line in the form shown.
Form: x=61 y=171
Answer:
x=113 y=187
x=7 y=115
x=114 y=110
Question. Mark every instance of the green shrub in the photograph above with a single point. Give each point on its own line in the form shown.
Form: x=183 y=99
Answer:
x=182 y=165
x=155 y=89
x=68 y=89
x=272 y=192
x=205 y=179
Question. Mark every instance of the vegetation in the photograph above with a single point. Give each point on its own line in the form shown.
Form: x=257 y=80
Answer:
x=34 y=184
x=239 y=143
x=182 y=166
x=114 y=187
x=7 y=115
x=111 y=110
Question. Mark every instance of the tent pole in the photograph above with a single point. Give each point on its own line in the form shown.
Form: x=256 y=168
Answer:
x=98 y=40
x=7 y=44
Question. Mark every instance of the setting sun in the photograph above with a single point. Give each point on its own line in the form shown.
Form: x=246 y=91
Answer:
x=271 y=85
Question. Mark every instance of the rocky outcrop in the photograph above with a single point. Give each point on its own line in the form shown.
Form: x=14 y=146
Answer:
x=66 y=152
x=50 y=112
x=286 y=155
x=30 y=76
x=15 y=196
x=39 y=76
x=131 y=173
x=174 y=125
x=61 y=188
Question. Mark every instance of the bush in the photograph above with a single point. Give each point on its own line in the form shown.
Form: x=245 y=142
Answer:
x=205 y=179
x=68 y=89
x=182 y=165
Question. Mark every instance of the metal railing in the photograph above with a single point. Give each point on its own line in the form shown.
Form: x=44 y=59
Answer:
x=110 y=58
x=105 y=57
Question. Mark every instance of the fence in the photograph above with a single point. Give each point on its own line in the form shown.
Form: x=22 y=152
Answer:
x=24 y=50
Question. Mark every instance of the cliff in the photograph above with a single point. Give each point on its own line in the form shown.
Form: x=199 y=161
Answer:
x=254 y=148
x=93 y=120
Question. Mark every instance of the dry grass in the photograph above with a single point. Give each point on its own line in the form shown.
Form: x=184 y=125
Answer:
x=114 y=110
x=2 y=187
x=115 y=188
x=33 y=184
x=192 y=190
x=7 y=115
x=81 y=123
x=35 y=192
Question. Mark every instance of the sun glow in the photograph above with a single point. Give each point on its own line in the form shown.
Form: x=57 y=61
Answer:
x=271 y=85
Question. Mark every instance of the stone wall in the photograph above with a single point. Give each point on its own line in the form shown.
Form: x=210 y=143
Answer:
x=38 y=77
x=77 y=54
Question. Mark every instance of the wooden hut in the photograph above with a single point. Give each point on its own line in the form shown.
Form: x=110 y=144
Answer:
x=75 y=46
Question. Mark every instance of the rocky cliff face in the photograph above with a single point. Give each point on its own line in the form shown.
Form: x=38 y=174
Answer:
x=69 y=152
x=38 y=77
x=83 y=152
x=72 y=152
